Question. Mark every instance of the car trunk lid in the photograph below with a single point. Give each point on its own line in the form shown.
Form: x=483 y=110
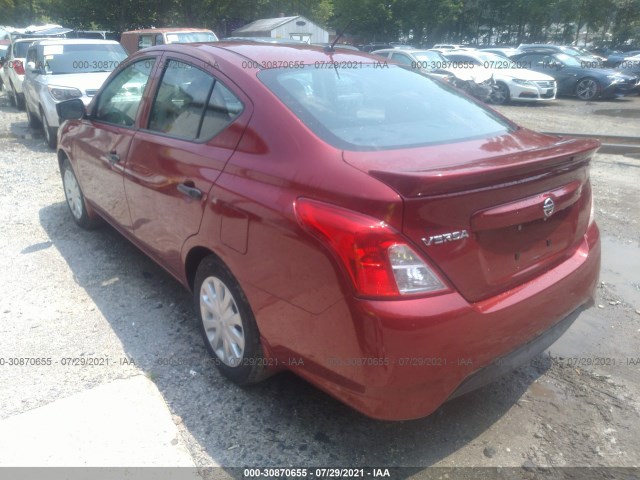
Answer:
x=491 y=213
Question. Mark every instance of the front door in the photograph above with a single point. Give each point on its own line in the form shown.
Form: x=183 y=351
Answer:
x=105 y=137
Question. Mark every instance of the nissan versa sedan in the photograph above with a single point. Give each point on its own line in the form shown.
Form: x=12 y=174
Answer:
x=377 y=232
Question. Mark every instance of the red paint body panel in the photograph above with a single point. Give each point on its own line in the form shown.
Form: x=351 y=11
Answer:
x=512 y=278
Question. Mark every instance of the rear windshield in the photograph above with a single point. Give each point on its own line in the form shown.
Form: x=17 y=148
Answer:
x=374 y=108
x=82 y=58
x=191 y=37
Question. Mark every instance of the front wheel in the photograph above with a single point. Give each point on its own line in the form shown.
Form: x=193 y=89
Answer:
x=33 y=120
x=75 y=198
x=50 y=133
x=587 y=89
x=500 y=94
x=227 y=324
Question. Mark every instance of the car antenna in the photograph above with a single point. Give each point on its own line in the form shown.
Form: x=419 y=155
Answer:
x=330 y=48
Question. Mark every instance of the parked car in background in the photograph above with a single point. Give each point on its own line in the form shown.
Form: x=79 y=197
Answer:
x=345 y=46
x=514 y=82
x=58 y=70
x=264 y=40
x=631 y=66
x=387 y=238
x=589 y=60
x=370 y=47
x=12 y=73
x=573 y=78
x=476 y=82
x=447 y=46
x=503 y=52
x=615 y=59
x=3 y=55
x=135 y=40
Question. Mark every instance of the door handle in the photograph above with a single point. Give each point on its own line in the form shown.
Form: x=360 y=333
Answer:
x=113 y=157
x=190 y=191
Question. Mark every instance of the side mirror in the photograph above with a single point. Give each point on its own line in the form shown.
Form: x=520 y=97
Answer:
x=72 y=109
x=31 y=66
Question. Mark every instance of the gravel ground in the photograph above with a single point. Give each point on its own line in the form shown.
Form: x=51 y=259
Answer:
x=68 y=293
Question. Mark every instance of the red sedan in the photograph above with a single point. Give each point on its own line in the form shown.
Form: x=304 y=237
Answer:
x=377 y=232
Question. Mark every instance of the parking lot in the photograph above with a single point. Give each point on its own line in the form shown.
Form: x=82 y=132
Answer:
x=69 y=293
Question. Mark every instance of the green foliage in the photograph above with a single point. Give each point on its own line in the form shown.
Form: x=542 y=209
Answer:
x=421 y=21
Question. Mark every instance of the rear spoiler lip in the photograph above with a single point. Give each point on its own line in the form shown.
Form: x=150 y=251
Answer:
x=566 y=153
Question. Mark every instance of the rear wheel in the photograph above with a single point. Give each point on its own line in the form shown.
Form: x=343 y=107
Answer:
x=500 y=94
x=587 y=89
x=227 y=324
x=12 y=95
x=34 y=122
x=17 y=99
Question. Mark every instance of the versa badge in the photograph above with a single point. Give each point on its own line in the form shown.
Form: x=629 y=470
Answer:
x=445 y=237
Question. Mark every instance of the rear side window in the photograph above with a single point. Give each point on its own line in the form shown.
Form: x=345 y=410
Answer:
x=192 y=104
x=373 y=108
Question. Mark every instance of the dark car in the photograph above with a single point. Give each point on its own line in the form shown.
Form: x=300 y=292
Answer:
x=575 y=77
x=377 y=232
x=370 y=47
x=581 y=54
x=616 y=59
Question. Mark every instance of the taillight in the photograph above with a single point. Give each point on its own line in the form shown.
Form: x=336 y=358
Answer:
x=377 y=258
x=18 y=66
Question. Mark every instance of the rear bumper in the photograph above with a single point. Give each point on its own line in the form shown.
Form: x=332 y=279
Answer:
x=503 y=365
x=408 y=357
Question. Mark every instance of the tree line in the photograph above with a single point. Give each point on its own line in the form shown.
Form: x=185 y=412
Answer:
x=612 y=23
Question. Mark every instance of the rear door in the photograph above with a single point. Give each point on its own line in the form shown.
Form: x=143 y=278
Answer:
x=194 y=124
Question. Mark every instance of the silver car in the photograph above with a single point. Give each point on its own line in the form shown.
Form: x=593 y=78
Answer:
x=58 y=70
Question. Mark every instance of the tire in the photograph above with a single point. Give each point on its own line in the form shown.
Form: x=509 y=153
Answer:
x=17 y=99
x=227 y=324
x=500 y=94
x=50 y=133
x=12 y=95
x=75 y=199
x=587 y=88
x=34 y=122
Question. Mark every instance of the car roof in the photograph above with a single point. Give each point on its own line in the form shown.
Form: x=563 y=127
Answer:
x=76 y=41
x=30 y=40
x=263 y=53
x=167 y=30
x=401 y=50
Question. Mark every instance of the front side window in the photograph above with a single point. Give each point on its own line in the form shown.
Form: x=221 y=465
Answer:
x=373 y=108
x=120 y=100
x=192 y=104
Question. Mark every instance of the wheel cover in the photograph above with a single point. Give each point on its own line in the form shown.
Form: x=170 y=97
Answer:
x=500 y=94
x=72 y=192
x=587 y=88
x=222 y=321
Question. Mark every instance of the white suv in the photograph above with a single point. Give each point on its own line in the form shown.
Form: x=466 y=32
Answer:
x=12 y=72
x=58 y=70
